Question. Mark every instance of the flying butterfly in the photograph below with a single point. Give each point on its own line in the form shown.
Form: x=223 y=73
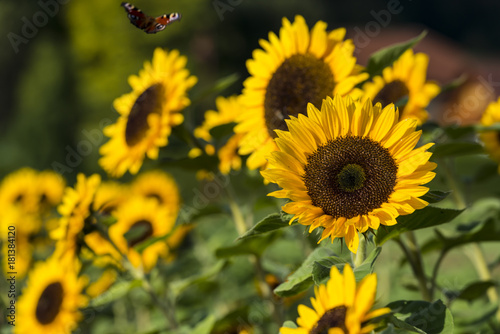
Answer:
x=150 y=24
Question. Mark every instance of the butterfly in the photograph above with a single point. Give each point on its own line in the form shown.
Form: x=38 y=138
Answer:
x=150 y=24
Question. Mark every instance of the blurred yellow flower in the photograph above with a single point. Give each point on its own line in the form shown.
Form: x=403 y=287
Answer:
x=491 y=139
x=139 y=220
x=228 y=109
x=406 y=78
x=51 y=300
x=148 y=113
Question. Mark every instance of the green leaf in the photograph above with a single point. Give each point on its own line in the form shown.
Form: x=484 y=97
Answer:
x=399 y=326
x=456 y=131
x=456 y=149
x=223 y=130
x=486 y=314
x=494 y=127
x=427 y=217
x=219 y=86
x=479 y=224
x=432 y=318
x=289 y=324
x=140 y=247
x=204 y=327
x=475 y=290
x=179 y=286
x=435 y=196
x=321 y=268
x=270 y=223
x=302 y=279
x=256 y=246
x=116 y=291
x=385 y=57
x=368 y=264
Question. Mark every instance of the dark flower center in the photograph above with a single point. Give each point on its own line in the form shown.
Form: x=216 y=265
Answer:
x=139 y=232
x=393 y=92
x=350 y=176
x=150 y=101
x=300 y=80
x=49 y=304
x=155 y=196
x=334 y=318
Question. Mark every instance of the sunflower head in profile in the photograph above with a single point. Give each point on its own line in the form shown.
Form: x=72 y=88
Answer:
x=51 y=300
x=350 y=167
x=340 y=306
x=404 y=84
x=75 y=210
x=148 y=113
x=228 y=109
x=160 y=186
x=139 y=220
x=491 y=139
x=298 y=67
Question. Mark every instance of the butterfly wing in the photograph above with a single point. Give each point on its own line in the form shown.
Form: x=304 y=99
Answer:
x=147 y=23
x=138 y=18
x=162 y=21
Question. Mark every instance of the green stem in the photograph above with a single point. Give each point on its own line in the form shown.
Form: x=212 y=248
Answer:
x=476 y=256
x=168 y=309
x=419 y=265
x=417 y=270
x=239 y=220
x=361 y=253
x=435 y=272
x=267 y=293
x=457 y=193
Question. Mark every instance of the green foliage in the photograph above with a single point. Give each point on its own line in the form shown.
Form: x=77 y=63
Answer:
x=255 y=246
x=430 y=318
x=270 y=223
x=117 y=291
x=385 y=57
x=302 y=278
x=427 y=217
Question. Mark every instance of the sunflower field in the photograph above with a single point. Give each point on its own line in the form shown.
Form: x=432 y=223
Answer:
x=250 y=167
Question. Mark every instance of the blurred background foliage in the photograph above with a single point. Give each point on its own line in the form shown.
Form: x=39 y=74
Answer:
x=63 y=80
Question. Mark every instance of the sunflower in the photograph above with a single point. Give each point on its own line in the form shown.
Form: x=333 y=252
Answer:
x=350 y=167
x=491 y=139
x=228 y=110
x=51 y=300
x=405 y=79
x=109 y=196
x=340 y=306
x=50 y=187
x=102 y=284
x=74 y=210
x=298 y=67
x=160 y=186
x=138 y=220
x=148 y=113
x=24 y=225
x=19 y=189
